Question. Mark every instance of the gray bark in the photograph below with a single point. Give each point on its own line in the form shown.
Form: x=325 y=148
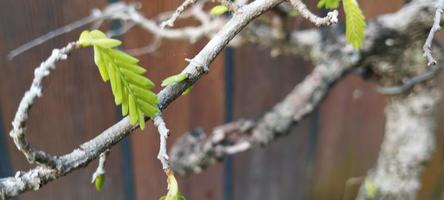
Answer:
x=408 y=144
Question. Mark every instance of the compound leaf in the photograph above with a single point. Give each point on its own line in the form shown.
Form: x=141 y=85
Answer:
x=130 y=88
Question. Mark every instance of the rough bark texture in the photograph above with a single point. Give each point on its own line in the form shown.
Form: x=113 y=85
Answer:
x=408 y=144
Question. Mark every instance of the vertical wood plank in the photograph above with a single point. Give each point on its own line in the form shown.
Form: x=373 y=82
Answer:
x=277 y=171
x=351 y=129
x=76 y=104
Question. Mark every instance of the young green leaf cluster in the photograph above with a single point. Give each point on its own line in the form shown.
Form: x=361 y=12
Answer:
x=130 y=88
x=176 y=79
x=99 y=182
x=218 y=10
x=173 y=189
x=354 y=20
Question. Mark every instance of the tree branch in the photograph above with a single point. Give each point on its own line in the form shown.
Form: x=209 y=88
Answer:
x=88 y=151
x=35 y=91
x=408 y=143
x=195 y=151
x=337 y=58
x=427 y=48
x=164 y=132
x=331 y=18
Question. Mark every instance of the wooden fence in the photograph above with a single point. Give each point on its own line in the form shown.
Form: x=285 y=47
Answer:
x=339 y=141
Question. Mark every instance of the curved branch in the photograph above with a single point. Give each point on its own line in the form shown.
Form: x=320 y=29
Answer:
x=194 y=151
x=35 y=91
x=331 y=18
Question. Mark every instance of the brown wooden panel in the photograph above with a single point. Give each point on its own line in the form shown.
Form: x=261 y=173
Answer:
x=279 y=170
x=351 y=129
x=76 y=104
x=203 y=107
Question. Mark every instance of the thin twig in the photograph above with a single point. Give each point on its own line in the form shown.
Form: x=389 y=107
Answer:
x=57 y=32
x=153 y=46
x=96 y=15
x=427 y=48
x=177 y=13
x=331 y=18
x=35 y=91
x=408 y=84
x=163 y=135
x=129 y=12
x=121 y=30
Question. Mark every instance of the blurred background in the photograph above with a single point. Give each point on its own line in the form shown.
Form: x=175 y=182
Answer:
x=318 y=160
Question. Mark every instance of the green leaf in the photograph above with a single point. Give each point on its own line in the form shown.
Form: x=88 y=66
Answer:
x=100 y=64
x=354 y=23
x=131 y=67
x=84 y=39
x=173 y=189
x=187 y=91
x=96 y=34
x=328 y=4
x=131 y=89
x=370 y=189
x=218 y=10
x=106 y=42
x=133 y=111
x=174 y=79
x=137 y=79
x=99 y=182
x=123 y=57
x=141 y=120
x=97 y=38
